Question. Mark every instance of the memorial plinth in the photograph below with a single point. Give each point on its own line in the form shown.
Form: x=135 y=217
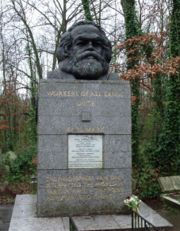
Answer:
x=84 y=156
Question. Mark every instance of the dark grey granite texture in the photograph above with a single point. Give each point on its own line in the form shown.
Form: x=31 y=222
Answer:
x=61 y=105
x=24 y=217
x=52 y=125
x=52 y=145
x=82 y=107
x=83 y=191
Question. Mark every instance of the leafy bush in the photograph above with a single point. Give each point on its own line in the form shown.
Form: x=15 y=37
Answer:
x=23 y=167
x=147 y=185
x=6 y=160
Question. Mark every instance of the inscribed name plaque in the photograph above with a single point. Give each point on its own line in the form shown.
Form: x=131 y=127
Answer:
x=85 y=151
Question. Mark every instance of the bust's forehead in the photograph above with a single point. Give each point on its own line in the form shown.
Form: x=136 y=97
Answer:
x=85 y=30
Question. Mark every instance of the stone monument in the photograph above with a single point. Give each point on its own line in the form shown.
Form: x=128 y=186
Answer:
x=84 y=130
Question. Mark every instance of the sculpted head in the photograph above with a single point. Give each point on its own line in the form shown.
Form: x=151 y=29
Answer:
x=85 y=51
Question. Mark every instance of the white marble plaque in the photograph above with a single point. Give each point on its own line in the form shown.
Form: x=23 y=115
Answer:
x=85 y=151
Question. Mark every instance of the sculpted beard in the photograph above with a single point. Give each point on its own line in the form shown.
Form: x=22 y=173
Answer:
x=89 y=64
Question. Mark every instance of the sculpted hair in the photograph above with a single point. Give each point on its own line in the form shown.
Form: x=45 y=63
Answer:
x=65 y=45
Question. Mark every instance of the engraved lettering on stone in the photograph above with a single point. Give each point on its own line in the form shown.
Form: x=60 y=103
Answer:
x=71 y=188
x=85 y=151
x=86 y=104
x=68 y=93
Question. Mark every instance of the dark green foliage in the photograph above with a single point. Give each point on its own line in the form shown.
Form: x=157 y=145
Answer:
x=175 y=28
x=131 y=22
x=167 y=154
x=135 y=119
x=87 y=12
x=159 y=128
x=132 y=61
x=158 y=96
x=23 y=167
x=147 y=185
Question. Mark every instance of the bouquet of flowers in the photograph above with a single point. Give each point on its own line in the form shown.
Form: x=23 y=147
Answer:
x=133 y=202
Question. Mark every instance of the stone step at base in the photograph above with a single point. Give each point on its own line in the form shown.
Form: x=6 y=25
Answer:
x=24 y=218
x=119 y=222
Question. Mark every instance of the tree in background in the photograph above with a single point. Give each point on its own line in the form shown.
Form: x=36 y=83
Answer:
x=26 y=23
x=87 y=12
x=157 y=147
x=167 y=154
x=132 y=29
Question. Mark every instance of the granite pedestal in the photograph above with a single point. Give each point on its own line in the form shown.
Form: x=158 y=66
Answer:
x=84 y=155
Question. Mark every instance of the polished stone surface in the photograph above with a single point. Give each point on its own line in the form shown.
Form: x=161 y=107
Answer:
x=61 y=104
x=82 y=191
x=77 y=108
x=53 y=151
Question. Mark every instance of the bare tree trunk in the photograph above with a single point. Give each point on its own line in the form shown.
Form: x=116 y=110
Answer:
x=22 y=16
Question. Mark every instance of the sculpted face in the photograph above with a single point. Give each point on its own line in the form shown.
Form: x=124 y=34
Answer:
x=87 y=59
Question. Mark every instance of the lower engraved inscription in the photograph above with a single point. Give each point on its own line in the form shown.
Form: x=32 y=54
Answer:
x=71 y=188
